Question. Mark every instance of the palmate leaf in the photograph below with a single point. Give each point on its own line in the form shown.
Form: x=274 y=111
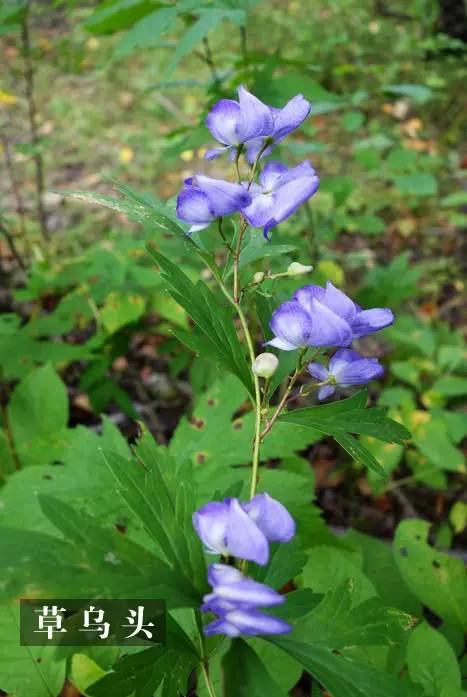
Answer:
x=138 y=207
x=218 y=339
x=340 y=676
x=160 y=494
x=245 y=674
x=349 y=416
x=27 y=671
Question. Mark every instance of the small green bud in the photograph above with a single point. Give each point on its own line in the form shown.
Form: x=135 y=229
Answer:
x=297 y=269
x=259 y=277
x=265 y=365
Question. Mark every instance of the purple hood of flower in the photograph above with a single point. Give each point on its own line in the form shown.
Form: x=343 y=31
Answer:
x=204 y=199
x=249 y=121
x=323 y=317
x=347 y=367
x=235 y=599
x=279 y=193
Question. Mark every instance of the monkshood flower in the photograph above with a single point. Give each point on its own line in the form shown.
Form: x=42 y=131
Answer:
x=243 y=530
x=249 y=121
x=235 y=599
x=204 y=199
x=343 y=309
x=226 y=528
x=279 y=193
x=346 y=368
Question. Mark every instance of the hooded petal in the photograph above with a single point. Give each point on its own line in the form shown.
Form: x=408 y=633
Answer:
x=223 y=120
x=222 y=626
x=369 y=321
x=304 y=169
x=349 y=368
x=220 y=574
x=253 y=149
x=260 y=210
x=318 y=371
x=290 y=117
x=272 y=518
x=249 y=593
x=211 y=524
x=244 y=539
x=224 y=197
x=255 y=117
x=292 y=325
x=328 y=329
x=193 y=206
x=271 y=174
x=307 y=294
x=253 y=622
x=339 y=302
x=325 y=391
x=289 y=197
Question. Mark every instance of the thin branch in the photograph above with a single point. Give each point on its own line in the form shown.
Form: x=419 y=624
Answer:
x=209 y=59
x=32 y=113
x=15 y=189
x=12 y=245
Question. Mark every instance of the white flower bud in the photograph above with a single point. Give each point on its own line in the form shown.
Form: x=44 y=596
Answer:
x=297 y=269
x=259 y=277
x=265 y=365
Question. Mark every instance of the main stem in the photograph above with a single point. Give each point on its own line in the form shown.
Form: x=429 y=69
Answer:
x=207 y=680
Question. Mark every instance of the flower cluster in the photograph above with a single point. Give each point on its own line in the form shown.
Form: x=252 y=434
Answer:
x=319 y=316
x=253 y=127
x=242 y=530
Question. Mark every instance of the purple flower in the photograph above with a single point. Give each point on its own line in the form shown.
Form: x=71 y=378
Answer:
x=295 y=326
x=343 y=310
x=235 y=123
x=251 y=121
x=272 y=518
x=204 y=199
x=346 y=368
x=235 y=599
x=279 y=193
x=225 y=528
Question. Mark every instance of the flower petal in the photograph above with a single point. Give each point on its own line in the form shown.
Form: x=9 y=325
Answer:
x=291 y=324
x=318 y=371
x=260 y=210
x=193 y=206
x=339 y=302
x=211 y=524
x=369 y=321
x=328 y=329
x=224 y=197
x=272 y=173
x=255 y=117
x=221 y=626
x=244 y=539
x=289 y=197
x=252 y=622
x=325 y=391
x=223 y=120
x=307 y=294
x=349 y=368
x=290 y=117
x=223 y=573
x=249 y=592
x=213 y=153
x=272 y=518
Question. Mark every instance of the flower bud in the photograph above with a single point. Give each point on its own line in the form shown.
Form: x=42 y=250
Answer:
x=259 y=277
x=265 y=365
x=297 y=269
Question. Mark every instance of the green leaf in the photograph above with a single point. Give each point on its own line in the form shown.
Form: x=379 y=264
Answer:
x=431 y=661
x=147 y=32
x=336 y=623
x=416 y=184
x=340 y=676
x=419 y=93
x=84 y=672
x=138 y=207
x=255 y=681
x=120 y=309
x=379 y=566
x=160 y=494
x=339 y=419
x=214 y=321
x=439 y=581
x=115 y=16
x=451 y=386
x=27 y=671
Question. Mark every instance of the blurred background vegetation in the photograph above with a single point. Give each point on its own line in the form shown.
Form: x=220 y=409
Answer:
x=111 y=97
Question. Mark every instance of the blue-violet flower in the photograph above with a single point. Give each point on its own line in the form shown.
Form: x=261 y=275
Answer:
x=346 y=368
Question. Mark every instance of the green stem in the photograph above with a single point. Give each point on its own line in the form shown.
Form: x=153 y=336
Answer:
x=207 y=680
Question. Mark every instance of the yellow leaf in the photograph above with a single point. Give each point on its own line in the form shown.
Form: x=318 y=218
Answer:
x=126 y=155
